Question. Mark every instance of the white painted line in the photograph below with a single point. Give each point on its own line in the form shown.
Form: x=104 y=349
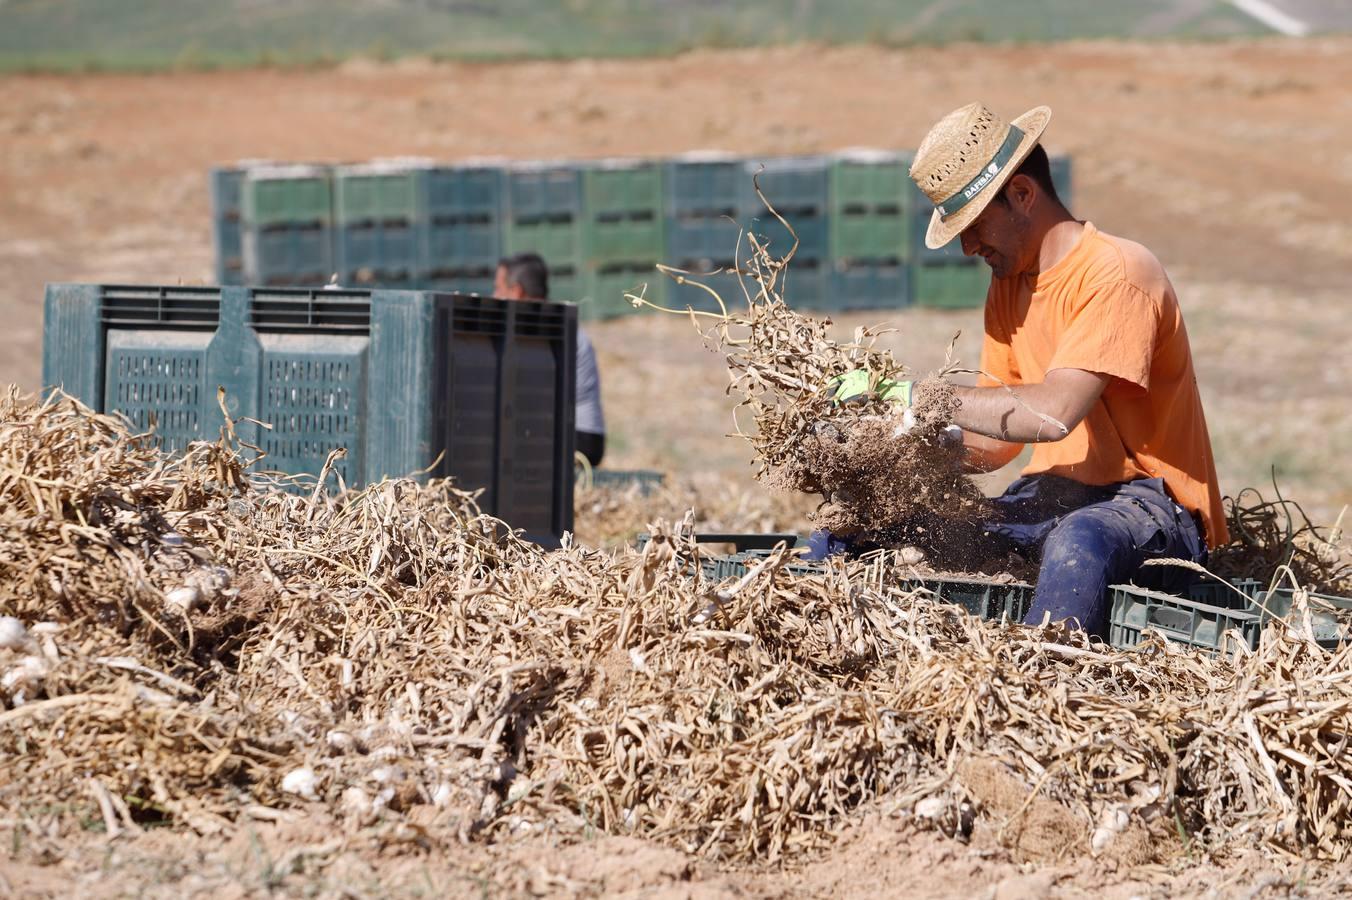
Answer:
x=1273 y=17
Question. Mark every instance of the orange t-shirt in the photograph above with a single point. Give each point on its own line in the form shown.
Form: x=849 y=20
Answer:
x=1108 y=307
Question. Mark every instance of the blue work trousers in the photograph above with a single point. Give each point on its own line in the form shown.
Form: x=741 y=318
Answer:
x=1088 y=537
x=1093 y=536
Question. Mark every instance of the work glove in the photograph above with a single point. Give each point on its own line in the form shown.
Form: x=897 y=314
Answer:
x=856 y=386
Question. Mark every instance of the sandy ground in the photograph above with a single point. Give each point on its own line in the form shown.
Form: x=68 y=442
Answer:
x=1231 y=161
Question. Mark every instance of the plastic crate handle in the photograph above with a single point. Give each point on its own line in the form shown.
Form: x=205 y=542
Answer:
x=1172 y=620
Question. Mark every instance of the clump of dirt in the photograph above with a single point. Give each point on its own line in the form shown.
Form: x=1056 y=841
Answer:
x=880 y=476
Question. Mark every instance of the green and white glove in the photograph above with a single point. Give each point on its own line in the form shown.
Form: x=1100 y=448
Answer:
x=855 y=386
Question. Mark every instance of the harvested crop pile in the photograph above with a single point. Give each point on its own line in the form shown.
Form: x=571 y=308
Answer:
x=194 y=647
x=877 y=472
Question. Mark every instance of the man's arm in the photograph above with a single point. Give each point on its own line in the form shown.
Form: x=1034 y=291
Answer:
x=1030 y=413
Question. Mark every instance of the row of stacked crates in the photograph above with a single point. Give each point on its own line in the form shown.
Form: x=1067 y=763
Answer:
x=601 y=226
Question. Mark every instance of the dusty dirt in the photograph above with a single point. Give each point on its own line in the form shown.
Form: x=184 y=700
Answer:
x=1230 y=161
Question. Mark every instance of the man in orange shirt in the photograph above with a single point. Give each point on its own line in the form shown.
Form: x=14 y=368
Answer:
x=1085 y=357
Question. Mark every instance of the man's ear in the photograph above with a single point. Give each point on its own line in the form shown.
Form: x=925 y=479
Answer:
x=1022 y=192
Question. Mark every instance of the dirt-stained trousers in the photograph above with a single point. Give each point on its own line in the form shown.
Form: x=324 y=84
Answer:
x=1094 y=536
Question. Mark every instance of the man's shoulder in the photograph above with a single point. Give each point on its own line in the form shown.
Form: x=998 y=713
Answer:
x=1110 y=258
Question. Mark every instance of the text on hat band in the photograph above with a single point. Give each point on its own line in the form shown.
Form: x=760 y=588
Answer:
x=987 y=174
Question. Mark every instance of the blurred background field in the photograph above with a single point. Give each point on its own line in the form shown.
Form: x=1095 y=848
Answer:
x=1227 y=158
x=93 y=34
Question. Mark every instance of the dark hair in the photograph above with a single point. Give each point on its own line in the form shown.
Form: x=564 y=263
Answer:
x=1037 y=166
x=528 y=270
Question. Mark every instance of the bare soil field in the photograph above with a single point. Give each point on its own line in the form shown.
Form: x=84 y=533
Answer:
x=1230 y=160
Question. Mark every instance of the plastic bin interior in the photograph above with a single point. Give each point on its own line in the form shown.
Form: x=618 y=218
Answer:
x=396 y=378
x=1185 y=621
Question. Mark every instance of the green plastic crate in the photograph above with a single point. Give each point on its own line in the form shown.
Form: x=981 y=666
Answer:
x=990 y=600
x=543 y=214
x=1192 y=623
x=606 y=286
x=736 y=565
x=1329 y=615
x=227 y=224
x=399 y=379
x=703 y=193
x=623 y=225
x=295 y=254
x=558 y=241
x=870 y=284
x=741 y=541
x=943 y=285
x=871 y=196
x=464 y=230
x=380 y=192
x=1062 y=178
x=286 y=196
x=627 y=186
x=645 y=480
x=379 y=253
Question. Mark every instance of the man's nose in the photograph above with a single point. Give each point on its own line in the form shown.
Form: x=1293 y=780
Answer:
x=969 y=243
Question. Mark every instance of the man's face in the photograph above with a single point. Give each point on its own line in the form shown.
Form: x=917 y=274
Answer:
x=503 y=287
x=1000 y=236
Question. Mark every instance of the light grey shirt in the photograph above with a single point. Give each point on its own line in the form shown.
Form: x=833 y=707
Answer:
x=588 y=417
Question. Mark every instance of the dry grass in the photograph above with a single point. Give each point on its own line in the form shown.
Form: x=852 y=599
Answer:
x=393 y=657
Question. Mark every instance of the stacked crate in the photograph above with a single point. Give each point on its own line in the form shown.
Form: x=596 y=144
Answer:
x=463 y=237
x=602 y=228
x=287 y=214
x=544 y=215
x=701 y=191
x=227 y=224
x=943 y=278
x=380 y=222
x=623 y=237
x=798 y=187
x=870 y=230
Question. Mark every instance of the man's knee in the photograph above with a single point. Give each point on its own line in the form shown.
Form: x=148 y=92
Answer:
x=1093 y=535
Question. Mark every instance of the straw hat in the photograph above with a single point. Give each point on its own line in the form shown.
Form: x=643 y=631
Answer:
x=965 y=160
